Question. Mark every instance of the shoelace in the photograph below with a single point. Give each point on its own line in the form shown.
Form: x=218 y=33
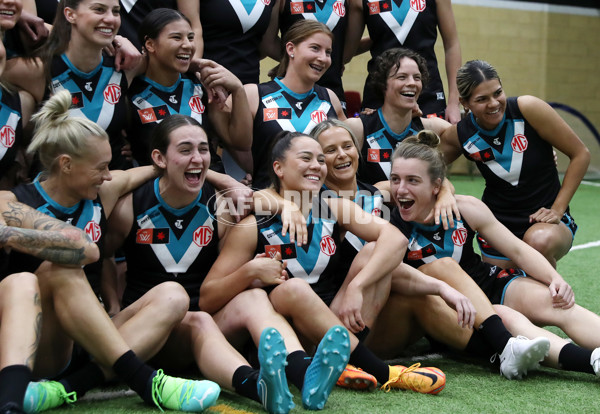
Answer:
x=157 y=387
x=387 y=386
x=68 y=397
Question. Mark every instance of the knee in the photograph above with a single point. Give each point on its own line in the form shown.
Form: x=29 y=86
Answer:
x=201 y=321
x=172 y=299
x=291 y=292
x=541 y=239
x=20 y=284
x=440 y=268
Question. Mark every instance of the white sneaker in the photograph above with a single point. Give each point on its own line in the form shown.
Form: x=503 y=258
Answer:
x=521 y=355
x=595 y=361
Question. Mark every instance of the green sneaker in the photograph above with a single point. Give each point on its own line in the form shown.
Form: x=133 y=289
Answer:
x=44 y=395
x=183 y=395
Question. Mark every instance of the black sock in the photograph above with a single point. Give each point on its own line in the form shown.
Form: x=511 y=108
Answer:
x=83 y=380
x=362 y=335
x=362 y=357
x=298 y=362
x=136 y=374
x=477 y=346
x=495 y=333
x=244 y=382
x=575 y=358
x=13 y=383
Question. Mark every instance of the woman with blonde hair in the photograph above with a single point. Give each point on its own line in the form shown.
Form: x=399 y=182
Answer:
x=78 y=188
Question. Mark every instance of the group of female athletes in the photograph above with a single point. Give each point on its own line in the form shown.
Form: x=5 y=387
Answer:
x=318 y=283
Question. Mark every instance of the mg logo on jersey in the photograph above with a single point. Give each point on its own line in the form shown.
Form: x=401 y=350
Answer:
x=203 y=236
x=328 y=245
x=339 y=9
x=266 y=2
x=459 y=237
x=417 y=5
x=7 y=136
x=92 y=229
x=519 y=143
x=112 y=93
x=318 y=116
x=196 y=104
x=376 y=212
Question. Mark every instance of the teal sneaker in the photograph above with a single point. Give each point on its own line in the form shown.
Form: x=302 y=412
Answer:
x=181 y=394
x=44 y=395
x=272 y=383
x=326 y=367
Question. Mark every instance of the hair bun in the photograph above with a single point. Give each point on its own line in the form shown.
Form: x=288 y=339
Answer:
x=56 y=109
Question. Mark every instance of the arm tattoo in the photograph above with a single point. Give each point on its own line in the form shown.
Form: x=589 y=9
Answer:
x=32 y=232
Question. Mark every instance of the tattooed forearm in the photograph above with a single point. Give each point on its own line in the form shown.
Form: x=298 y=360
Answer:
x=64 y=248
x=21 y=215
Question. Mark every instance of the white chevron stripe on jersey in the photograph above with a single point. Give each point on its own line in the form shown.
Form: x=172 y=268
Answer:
x=247 y=20
x=164 y=255
x=401 y=31
x=512 y=175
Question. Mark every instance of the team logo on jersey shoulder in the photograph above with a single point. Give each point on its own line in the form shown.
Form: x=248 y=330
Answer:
x=299 y=7
x=519 y=143
x=273 y=114
x=380 y=6
x=202 y=236
x=152 y=236
x=339 y=9
x=418 y=5
x=7 y=136
x=328 y=245
x=93 y=230
x=286 y=250
x=459 y=236
x=112 y=93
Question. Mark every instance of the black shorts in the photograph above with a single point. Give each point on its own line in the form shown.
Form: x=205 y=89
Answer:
x=495 y=282
x=489 y=251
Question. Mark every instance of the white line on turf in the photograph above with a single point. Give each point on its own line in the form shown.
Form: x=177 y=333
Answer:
x=592 y=183
x=586 y=245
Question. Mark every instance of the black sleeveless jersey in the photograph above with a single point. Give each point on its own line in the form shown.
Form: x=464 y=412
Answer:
x=134 y=11
x=517 y=164
x=99 y=95
x=379 y=143
x=332 y=13
x=281 y=109
x=151 y=102
x=232 y=31
x=317 y=262
x=411 y=24
x=87 y=215
x=167 y=244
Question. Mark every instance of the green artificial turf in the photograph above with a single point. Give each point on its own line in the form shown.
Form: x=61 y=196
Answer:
x=472 y=386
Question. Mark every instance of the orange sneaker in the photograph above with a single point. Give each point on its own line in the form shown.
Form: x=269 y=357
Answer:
x=356 y=379
x=426 y=380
